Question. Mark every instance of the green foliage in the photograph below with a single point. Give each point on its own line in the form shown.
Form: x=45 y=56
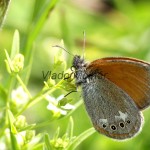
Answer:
x=20 y=133
x=3 y=8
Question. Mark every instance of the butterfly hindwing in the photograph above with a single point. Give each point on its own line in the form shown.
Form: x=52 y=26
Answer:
x=112 y=111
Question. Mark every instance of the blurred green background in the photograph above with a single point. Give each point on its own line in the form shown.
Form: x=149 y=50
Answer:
x=113 y=28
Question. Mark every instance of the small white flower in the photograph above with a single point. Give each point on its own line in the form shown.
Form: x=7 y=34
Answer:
x=2 y=145
x=68 y=107
x=20 y=138
x=55 y=108
x=19 y=96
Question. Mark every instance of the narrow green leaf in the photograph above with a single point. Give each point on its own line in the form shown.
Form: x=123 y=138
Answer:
x=47 y=142
x=11 y=121
x=47 y=7
x=8 y=67
x=11 y=117
x=14 y=143
x=3 y=8
x=38 y=6
x=57 y=133
x=77 y=141
x=28 y=127
x=13 y=130
x=8 y=62
x=3 y=92
x=37 y=25
x=15 y=44
x=70 y=128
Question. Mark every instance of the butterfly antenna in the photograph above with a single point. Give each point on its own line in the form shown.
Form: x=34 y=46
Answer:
x=84 y=36
x=70 y=93
x=63 y=49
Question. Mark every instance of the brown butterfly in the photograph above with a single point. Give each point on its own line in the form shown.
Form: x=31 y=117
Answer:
x=115 y=90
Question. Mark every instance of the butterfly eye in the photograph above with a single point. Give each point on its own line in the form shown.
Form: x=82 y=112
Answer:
x=113 y=127
x=121 y=124
x=128 y=121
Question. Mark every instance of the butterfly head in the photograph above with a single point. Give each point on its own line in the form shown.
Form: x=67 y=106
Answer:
x=80 y=69
x=78 y=62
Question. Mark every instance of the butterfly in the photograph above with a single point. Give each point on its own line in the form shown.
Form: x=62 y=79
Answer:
x=115 y=91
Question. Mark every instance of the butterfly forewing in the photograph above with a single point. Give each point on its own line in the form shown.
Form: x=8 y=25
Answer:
x=131 y=75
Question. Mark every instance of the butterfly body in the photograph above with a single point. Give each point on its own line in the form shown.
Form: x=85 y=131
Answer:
x=114 y=91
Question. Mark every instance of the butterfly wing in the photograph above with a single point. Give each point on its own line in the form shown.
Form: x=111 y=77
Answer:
x=131 y=75
x=112 y=111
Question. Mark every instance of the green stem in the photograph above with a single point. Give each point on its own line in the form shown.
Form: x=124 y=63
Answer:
x=23 y=85
x=11 y=85
x=39 y=97
x=36 y=27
